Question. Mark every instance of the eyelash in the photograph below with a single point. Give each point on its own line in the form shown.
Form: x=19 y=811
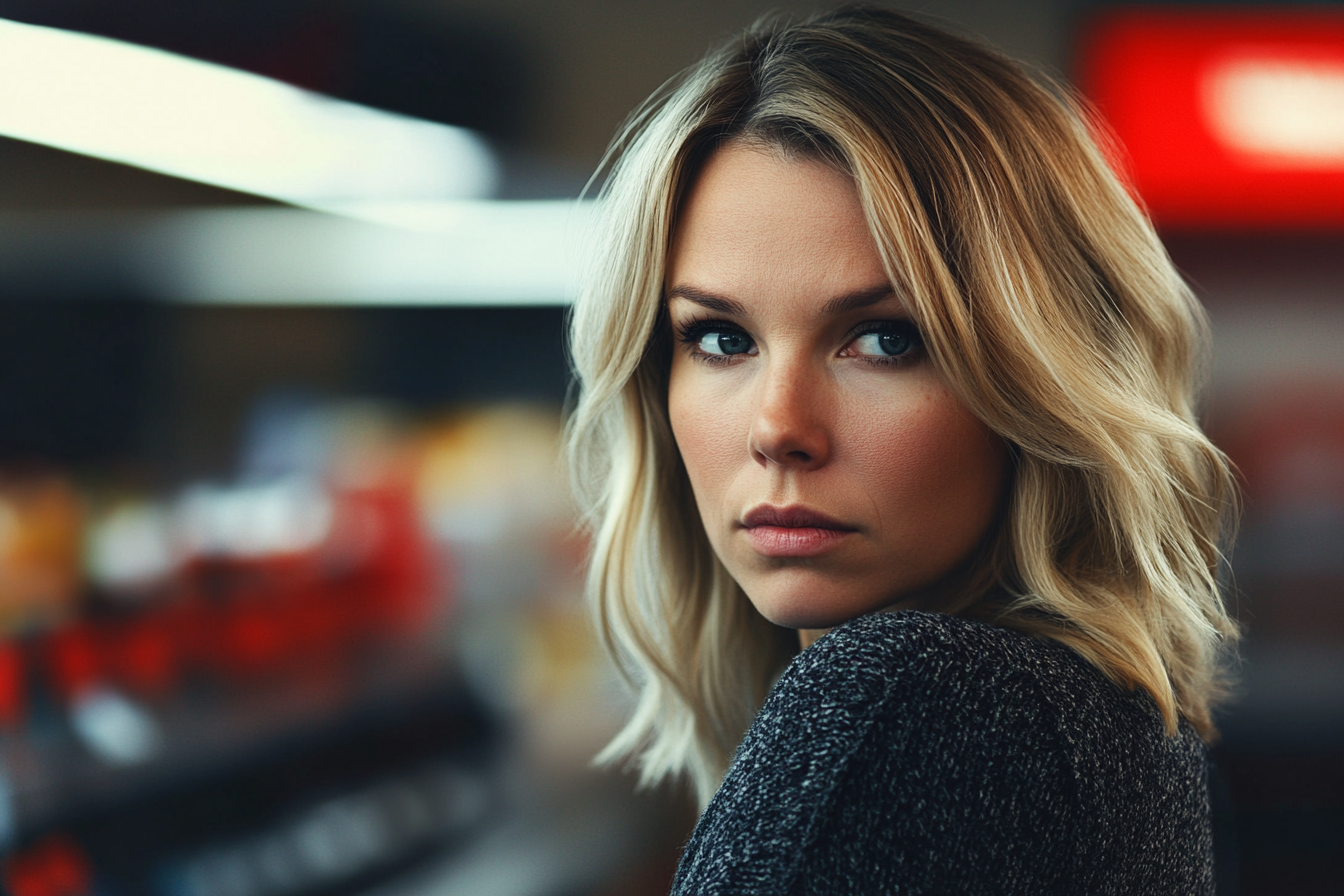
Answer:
x=691 y=332
x=889 y=326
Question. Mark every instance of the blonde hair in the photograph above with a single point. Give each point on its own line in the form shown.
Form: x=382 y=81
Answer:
x=1048 y=305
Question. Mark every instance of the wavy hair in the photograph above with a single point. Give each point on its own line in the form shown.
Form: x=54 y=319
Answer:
x=1047 y=304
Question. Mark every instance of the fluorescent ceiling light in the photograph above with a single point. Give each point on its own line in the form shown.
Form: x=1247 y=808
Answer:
x=459 y=253
x=1284 y=113
x=208 y=123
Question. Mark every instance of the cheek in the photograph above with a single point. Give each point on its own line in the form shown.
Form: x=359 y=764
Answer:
x=935 y=472
x=949 y=473
x=707 y=428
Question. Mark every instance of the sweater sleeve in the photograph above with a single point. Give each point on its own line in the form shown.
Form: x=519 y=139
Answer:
x=962 y=784
x=894 y=756
x=916 y=753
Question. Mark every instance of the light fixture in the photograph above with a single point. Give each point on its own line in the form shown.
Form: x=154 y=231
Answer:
x=1223 y=117
x=1284 y=113
x=450 y=253
x=204 y=122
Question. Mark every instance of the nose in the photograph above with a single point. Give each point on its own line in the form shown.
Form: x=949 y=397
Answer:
x=789 y=428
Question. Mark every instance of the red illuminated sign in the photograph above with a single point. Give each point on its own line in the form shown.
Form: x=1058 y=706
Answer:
x=1228 y=118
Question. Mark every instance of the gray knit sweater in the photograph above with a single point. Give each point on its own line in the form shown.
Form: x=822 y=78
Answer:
x=922 y=753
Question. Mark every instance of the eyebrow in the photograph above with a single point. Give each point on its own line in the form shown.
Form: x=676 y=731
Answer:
x=850 y=301
x=706 y=299
x=859 y=298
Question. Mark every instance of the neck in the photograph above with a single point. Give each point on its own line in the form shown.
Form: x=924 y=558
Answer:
x=806 y=636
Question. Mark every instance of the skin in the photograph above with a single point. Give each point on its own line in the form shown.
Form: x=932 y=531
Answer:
x=798 y=382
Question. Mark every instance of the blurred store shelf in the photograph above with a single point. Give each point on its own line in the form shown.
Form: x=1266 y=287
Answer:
x=1276 y=405
x=359 y=661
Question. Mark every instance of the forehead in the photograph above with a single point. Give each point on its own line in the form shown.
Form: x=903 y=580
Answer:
x=758 y=223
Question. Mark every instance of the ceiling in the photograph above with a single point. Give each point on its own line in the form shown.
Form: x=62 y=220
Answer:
x=548 y=81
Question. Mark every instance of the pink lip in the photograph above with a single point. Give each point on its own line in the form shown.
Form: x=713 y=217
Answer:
x=793 y=531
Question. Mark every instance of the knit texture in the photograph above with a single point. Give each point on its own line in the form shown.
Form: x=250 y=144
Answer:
x=911 y=752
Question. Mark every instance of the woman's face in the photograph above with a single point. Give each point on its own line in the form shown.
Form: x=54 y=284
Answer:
x=835 y=472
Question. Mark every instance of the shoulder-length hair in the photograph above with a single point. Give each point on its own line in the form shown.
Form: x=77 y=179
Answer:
x=1047 y=303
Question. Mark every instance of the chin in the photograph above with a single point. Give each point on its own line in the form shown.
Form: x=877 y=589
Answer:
x=804 y=604
x=806 y=598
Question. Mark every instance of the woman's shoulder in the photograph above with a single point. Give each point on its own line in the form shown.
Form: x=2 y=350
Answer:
x=906 y=740
x=908 y=657
x=908 y=683
x=952 y=680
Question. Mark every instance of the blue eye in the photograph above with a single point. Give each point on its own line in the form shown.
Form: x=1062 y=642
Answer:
x=725 y=342
x=889 y=341
x=715 y=341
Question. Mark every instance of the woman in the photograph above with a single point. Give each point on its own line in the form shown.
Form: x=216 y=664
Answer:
x=876 y=343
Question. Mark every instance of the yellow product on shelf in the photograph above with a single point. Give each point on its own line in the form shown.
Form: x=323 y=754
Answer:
x=41 y=524
x=494 y=472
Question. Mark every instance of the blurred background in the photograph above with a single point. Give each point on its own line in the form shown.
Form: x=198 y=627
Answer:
x=289 y=592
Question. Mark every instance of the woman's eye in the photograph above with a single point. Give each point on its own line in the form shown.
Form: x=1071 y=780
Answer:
x=725 y=342
x=888 y=342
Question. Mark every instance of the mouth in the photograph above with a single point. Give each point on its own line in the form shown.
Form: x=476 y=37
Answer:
x=793 y=531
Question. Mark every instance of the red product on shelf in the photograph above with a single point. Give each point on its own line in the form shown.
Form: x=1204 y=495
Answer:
x=74 y=659
x=145 y=657
x=54 y=866
x=393 y=586
x=13 y=686
x=248 y=618
x=253 y=640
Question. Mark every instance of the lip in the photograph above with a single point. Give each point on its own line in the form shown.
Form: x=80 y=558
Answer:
x=793 y=531
x=794 y=517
